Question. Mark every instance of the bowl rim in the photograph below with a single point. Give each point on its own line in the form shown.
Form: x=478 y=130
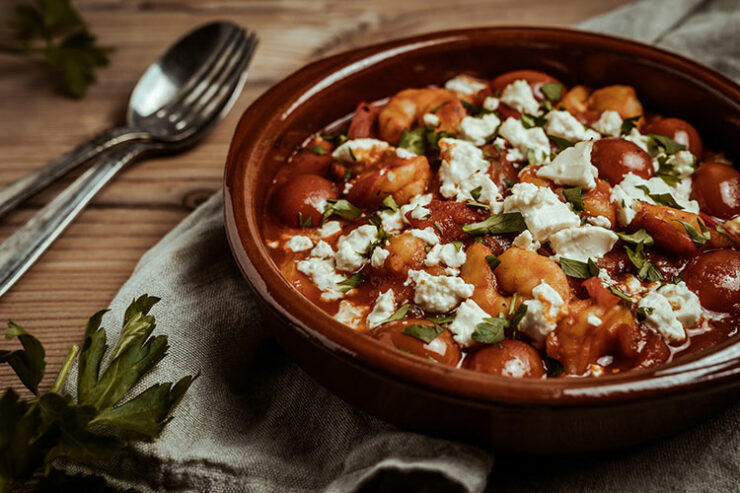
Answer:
x=718 y=367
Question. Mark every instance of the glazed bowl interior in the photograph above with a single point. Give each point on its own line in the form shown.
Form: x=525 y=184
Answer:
x=330 y=89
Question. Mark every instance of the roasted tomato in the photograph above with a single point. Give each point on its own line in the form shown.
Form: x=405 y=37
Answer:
x=442 y=348
x=508 y=358
x=716 y=187
x=304 y=197
x=616 y=157
x=680 y=131
x=715 y=278
x=364 y=122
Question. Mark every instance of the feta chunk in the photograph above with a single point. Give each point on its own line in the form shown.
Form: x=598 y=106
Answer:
x=685 y=304
x=542 y=313
x=602 y=221
x=430 y=119
x=670 y=310
x=572 y=167
x=464 y=84
x=385 y=306
x=519 y=96
x=463 y=170
x=361 y=149
x=609 y=124
x=583 y=243
x=478 y=129
x=637 y=138
x=349 y=314
x=594 y=320
x=543 y=212
x=447 y=254
x=627 y=193
x=427 y=235
x=563 y=124
x=525 y=241
x=417 y=207
x=438 y=294
x=330 y=228
x=467 y=317
x=299 y=243
x=352 y=247
x=404 y=154
x=490 y=103
x=683 y=163
x=320 y=268
x=377 y=259
x=391 y=221
x=525 y=139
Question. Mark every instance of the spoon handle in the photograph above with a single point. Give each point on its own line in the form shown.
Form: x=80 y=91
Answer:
x=19 y=251
x=21 y=189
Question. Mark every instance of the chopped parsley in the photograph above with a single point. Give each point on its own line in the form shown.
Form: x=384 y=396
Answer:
x=552 y=91
x=629 y=123
x=643 y=312
x=645 y=269
x=561 y=142
x=665 y=144
x=341 y=208
x=511 y=222
x=493 y=261
x=397 y=315
x=699 y=239
x=578 y=269
x=475 y=193
x=721 y=230
x=351 y=282
x=424 y=332
x=619 y=294
x=318 y=150
x=636 y=238
x=304 y=223
x=490 y=330
x=575 y=197
x=390 y=203
x=661 y=198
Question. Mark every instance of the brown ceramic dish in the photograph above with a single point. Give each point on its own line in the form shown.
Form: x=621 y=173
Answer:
x=532 y=416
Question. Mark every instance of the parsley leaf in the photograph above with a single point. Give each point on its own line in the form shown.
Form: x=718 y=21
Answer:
x=390 y=203
x=552 y=91
x=639 y=236
x=619 y=294
x=578 y=269
x=645 y=268
x=318 y=150
x=561 y=142
x=518 y=315
x=490 y=330
x=511 y=222
x=699 y=239
x=721 y=230
x=397 y=315
x=666 y=144
x=475 y=193
x=575 y=197
x=341 y=208
x=304 y=223
x=54 y=31
x=423 y=332
x=351 y=282
x=414 y=140
x=493 y=261
x=643 y=312
x=629 y=123
x=661 y=198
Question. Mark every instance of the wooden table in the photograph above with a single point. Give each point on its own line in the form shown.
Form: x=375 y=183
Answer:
x=85 y=267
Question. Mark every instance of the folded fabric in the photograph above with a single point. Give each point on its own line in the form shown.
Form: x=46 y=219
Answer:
x=254 y=421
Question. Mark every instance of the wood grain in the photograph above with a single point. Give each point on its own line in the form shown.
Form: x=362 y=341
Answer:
x=84 y=268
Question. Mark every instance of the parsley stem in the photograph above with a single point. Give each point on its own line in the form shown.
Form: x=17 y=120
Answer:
x=62 y=376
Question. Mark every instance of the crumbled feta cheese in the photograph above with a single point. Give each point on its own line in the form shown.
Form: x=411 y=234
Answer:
x=606 y=279
x=349 y=314
x=609 y=124
x=430 y=119
x=542 y=313
x=352 y=247
x=391 y=221
x=478 y=129
x=605 y=360
x=572 y=167
x=583 y=243
x=660 y=317
x=490 y=103
x=299 y=243
x=320 y=268
x=447 y=254
x=463 y=170
x=464 y=84
x=525 y=241
x=330 y=228
x=426 y=234
x=594 y=320
x=627 y=193
x=273 y=244
x=377 y=259
x=636 y=137
x=467 y=317
x=685 y=303
x=417 y=207
x=438 y=294
x=519 y=96
x=385 y=306
x=602 y=221
x=404 y=153
x=347 y=187
x=525 y=139
x=359 y=148
x=683 y=163
x=563 y=124
x=543 y=212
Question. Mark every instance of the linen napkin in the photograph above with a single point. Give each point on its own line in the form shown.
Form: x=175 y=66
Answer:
x=254 y=421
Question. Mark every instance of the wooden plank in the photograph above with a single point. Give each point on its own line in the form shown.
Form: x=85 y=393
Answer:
x=85 y=267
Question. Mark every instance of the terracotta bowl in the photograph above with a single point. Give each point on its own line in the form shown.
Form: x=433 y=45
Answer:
x=531 y=416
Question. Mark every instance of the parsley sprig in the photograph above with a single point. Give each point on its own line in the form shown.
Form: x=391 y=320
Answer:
x=53 y=31
x=96 y=423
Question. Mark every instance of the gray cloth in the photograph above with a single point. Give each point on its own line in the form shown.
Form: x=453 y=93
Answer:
x=254 y=421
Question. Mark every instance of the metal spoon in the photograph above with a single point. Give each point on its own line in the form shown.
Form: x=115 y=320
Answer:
x=182 y=71
x=176 y=102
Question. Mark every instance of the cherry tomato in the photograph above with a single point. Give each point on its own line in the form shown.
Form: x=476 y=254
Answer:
x=363 y=122
x=680 y=131
x=313 y=159
x=616 y=157
x=442 y=348
x=509 y=358
x=533 y=78
x=716 y=187
x=715 y=278
x=305 y=195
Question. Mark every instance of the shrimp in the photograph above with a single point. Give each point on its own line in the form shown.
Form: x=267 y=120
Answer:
x=390 y=174
x=405 y=252
x=477 y=271
x=407 y=109
x=521 y=270
x=597 y=202
x=587 y=106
